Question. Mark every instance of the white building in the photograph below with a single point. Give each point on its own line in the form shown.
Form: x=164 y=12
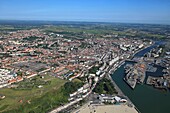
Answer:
x=114 y=60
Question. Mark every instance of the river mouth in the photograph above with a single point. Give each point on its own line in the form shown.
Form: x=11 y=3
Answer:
x=146 y=98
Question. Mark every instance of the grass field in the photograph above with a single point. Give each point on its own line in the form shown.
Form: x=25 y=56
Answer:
x=69 y=30
x=30 y=99
x=99 y=31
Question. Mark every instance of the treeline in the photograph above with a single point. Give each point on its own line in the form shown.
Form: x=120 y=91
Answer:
x=71 y=87
x=105 y=87
x=31 y=38
x=94 y=69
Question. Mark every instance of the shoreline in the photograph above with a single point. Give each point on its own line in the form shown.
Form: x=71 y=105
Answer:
x=148 y=93
x=111 y=71
x=113 y=82
x=120 y=93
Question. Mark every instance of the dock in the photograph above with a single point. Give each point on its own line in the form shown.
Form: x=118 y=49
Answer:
x=135 y=74
x=132 y=84
x=120 y=93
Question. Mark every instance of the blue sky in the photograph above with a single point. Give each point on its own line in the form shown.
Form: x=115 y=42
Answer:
x=133 y=11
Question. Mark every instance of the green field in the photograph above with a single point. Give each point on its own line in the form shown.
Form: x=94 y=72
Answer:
x=73 y=30
x=34 y=99
x=100 y=30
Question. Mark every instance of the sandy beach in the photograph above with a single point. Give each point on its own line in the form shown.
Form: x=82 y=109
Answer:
x=106 y=109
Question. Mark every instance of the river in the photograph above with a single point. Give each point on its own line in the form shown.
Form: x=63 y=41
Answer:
x=146 y=98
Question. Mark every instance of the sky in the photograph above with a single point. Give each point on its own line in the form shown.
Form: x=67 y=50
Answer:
x=126 y=11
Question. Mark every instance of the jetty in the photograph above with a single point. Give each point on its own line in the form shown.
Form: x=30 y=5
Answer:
x=135 y=74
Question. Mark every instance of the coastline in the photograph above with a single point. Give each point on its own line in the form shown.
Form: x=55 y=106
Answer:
x=144 y=96
x=120 y=93
x=111 y=71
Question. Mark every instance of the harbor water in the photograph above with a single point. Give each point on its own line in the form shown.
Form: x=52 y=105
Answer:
x=146 y=98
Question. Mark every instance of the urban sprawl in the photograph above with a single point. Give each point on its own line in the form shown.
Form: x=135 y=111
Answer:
x=26 y=54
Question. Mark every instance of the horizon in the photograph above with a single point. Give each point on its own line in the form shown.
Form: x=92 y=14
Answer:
x=67 y=21
x=108 y=11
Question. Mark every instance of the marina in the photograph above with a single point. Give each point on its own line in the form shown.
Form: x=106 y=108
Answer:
x=145 y=97
x=150 y=68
